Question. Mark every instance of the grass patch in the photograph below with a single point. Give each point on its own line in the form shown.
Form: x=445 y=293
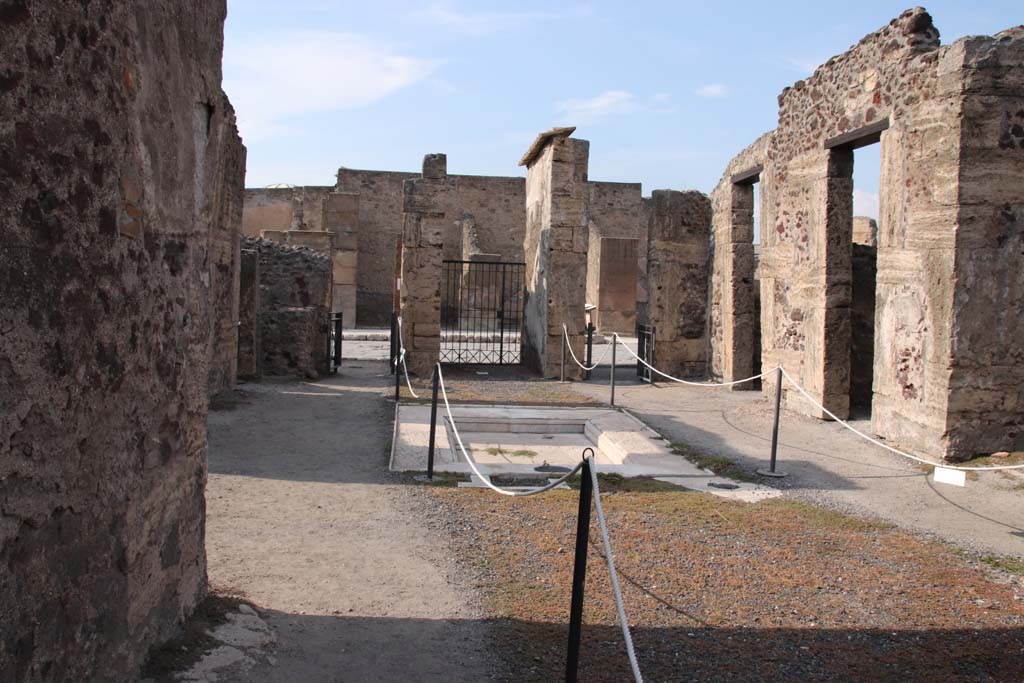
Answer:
x=723 y=467
x=1006 y=563
x=823 y=518
x=616 y=483
x=519 y=453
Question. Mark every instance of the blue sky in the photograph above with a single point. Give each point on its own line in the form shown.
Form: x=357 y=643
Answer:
x=667 y=92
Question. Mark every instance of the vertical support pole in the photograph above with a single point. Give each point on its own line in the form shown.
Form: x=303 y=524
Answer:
x=433 y=426
x=579 y=574
x=398 y=369
x=615 y=342
x=562 y=371
x=394 y=346
x=590 y=347
x=771 y=471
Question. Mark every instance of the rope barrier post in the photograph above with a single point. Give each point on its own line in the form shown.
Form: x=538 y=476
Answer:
x=561 y=374
x=615 y=340
x=771 y=471
x=590 y=347
x=398 y=375
x=579 y=571
x=392 y=338
x=433 y=427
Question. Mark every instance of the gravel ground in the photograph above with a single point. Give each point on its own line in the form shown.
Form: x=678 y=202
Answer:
x=827 y=464
x=510 y=384
x=305 y=523
x=718 y=590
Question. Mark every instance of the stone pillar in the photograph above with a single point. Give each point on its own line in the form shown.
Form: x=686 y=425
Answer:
x=612 y=283
x=555 y=247
x=341 y=217
x=677 y=273
x=249 y=315
x=424 y=204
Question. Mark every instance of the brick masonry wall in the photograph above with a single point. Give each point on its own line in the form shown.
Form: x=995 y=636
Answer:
x=616 y=210
x=120 y=157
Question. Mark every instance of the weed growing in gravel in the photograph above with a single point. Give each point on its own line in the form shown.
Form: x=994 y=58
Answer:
x=519 y=453
x=1006 y=563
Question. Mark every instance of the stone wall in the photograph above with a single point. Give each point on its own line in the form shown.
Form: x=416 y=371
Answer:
x=120 y=160
x=495 y=204
x=986 y=404
x=555 y=247
x=616 y=211
x=678 y=280
x=294 y=309
x=249 y=314
x=950 y=198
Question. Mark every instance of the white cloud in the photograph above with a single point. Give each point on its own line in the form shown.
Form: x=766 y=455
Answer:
x=273 y=79
x=606 y=104
x=865 y=204
x=805 y=65
x=712 y=90
x=479 y=23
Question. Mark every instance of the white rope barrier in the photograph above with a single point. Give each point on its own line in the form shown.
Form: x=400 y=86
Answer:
x=619 y=605
x=886 y=446
x=565 y=331
x=705 y=385
x=484 y=478
x=401 y=358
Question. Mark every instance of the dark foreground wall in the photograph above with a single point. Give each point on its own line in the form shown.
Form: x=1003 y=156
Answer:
x=118 y=158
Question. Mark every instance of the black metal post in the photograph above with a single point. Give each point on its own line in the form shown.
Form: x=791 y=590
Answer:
x=615 y=340
x=590 y=347
x=338 y=320
x=771 y=471
x=561 y=374
x=398 y=375
x=579 y=573
x=433 y=426
x=394 y=346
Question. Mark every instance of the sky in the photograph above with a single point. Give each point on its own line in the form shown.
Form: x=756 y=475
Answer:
x=666 y=92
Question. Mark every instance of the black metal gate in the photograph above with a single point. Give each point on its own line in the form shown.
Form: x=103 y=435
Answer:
x=645 y=349
x=482 y=312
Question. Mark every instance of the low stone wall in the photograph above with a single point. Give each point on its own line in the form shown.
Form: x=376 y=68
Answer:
x=294 y=309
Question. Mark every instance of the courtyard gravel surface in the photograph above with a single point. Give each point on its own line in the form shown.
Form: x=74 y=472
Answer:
x=718 y=590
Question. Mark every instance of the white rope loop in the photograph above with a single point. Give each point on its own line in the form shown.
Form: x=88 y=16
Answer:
x=619 y=605
x=565 y=332
x=705 y=385
x=401 y=358
x=886 y=446
x=484 y=478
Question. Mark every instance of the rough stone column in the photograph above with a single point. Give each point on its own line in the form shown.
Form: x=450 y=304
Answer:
x=555 y=247
x=424 y=203
x=677 y=273
x=249 y=315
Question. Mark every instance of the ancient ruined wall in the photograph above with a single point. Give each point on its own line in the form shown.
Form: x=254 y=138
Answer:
x=225 y=269
x=616 y=211
x=119 y=154
x=946 y=183
x=498 y=207
x=678 y=277
x=426 y=199
x=986 y=407
x=380 y=227
x=557 y=236
x=294 y=309
x=281 y=208
x=734 y=324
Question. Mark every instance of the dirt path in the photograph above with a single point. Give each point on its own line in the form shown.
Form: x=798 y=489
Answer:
x=304 y=520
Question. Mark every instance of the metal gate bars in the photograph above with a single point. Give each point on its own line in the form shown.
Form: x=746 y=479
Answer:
x=482 y=312
x=645 y=350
